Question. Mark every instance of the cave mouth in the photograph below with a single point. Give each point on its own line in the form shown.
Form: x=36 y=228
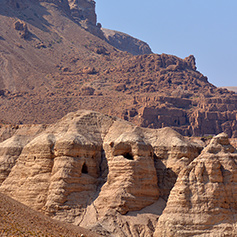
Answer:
x=128 y=156
x=84 y=169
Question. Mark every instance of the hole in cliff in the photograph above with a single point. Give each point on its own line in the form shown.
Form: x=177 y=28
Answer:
x=84 y=169
x=17 y=5
x=128 y=156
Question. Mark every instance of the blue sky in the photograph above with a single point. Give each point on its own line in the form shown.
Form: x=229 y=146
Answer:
x=205 y=28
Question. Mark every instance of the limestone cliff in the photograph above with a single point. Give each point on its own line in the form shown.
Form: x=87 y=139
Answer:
x=126 y=42
x=203 y=201
x=115 y=178
x=90 y=169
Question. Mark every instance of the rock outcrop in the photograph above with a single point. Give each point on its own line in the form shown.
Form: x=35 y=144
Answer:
x=83 y=12
x=22 y=28
x=117 y=179
x=126 y=42
x=150 y=90
x=90 y=169
x=14 y=139
x=203 y=201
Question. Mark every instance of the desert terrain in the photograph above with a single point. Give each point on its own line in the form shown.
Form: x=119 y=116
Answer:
x=100 y=136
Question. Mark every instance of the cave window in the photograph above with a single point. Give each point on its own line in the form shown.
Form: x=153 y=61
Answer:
x=128 y=156
x=84 y=169
x=17 y=5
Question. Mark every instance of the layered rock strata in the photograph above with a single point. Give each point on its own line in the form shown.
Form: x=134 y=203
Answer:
x=89 y=168
x=126 y=42
x=203 y=201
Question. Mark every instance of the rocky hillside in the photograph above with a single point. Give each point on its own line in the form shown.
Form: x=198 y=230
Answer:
x=52 y=64
x=117 y=179
x=126 y=42
x=17 y=219
x=232 y=88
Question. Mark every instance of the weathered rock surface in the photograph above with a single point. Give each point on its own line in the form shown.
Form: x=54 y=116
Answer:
x=15 y=138
x=112 y=177
x=17 y=219
x=231 y=88
x=126 y=42
x=203 y=201
x=83 y=12
x=90 y=169
x=57 y=67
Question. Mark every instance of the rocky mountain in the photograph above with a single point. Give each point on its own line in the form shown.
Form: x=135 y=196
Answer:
x=232 y=88
x=53 y=62
x=114 y=178
x=126 y=42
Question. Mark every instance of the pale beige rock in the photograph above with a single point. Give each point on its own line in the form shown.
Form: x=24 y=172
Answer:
x=126 y=42
x=203 y=201
x=91 y=169
x=14 y=139
x=129 y=158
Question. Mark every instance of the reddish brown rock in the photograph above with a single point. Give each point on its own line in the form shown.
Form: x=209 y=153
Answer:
x=22 y=28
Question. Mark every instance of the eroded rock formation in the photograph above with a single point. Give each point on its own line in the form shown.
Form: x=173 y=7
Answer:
x=88 y=168
x=126 y=42
x=203 y=201
x=110 y=176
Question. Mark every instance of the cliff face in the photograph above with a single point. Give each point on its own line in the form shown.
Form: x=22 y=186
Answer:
x=50 y=63
x=110 y=176
x=89 y=169
x=126 y=42
x=203 y=200
x=83 y=13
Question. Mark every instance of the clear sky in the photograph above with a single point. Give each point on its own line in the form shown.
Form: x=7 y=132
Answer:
x=205 y=28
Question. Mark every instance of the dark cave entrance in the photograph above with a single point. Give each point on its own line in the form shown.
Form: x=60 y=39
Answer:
x=128 y=156
x=84 y=169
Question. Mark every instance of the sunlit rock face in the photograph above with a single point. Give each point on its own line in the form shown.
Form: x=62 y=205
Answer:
x=132 y=179
x=90 y=169
x=203 y=201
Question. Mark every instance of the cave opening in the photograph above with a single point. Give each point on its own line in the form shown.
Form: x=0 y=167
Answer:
x=128 y=156
x=84 y=169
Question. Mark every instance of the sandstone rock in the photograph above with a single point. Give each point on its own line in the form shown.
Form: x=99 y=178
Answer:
x=203 y=200
x=89 y=70
x=129 y=157
x=126 y=42
x=99 y=172
x=87 y=91
x=83 y=12
x=83 y=9
x=15 y=138
x=22 y=28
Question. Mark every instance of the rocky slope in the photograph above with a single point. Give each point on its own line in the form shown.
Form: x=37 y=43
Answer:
x=17 y=219
x=232 y=88
x=114 y=178
x=50 y=65
x=126 y=42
